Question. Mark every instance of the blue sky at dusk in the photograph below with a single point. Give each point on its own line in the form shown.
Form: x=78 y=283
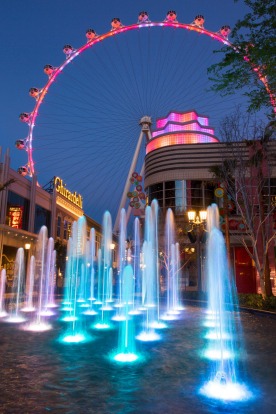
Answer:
x=87 y=126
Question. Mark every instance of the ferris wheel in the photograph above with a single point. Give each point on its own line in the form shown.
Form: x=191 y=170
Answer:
x=85 y=121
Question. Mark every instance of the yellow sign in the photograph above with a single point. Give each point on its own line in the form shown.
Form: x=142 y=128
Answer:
x=73 y=197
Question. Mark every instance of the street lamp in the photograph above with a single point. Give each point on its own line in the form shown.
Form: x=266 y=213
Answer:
x=27 y=247
x=197 y=235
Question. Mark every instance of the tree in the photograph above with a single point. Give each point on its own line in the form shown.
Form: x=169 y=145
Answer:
x=246 y=171
x=252 y=58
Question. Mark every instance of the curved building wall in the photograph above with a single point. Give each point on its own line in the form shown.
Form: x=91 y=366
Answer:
x=182 y=162
x=179 y=177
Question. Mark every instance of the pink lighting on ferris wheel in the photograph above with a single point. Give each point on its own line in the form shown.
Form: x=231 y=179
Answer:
x=117 y=28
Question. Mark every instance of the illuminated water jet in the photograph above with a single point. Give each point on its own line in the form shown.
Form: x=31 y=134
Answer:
x=46 y=312
x=15 y=319
x=118 y=318
x=102 y=325
x=134 y=312
x=37 y=327
x=213 y=335
x=3 y=312
x=126 y=357
x=90 y=312
x=76 y=291
x=171 y=262
x=16 y=299
x=147 y=336
x=67 y=309
x=217 y=355
x=226 y=392
x=75 y=339
x=69 y=318
x=126 y=338
x=158 y=325
x=225 y=339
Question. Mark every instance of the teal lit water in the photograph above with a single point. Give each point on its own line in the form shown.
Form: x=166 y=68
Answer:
x=41 y=375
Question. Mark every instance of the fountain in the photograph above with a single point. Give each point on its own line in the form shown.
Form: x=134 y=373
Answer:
x=224 y=338
x=150 y=277
x=137 y=291
x=91 y=274
x=122 y=259
x=172 y=265
x=76 y=289
x=105 y=276
x=29 y=307
x=49 y=275
x=88 y=303
x=126 y=341
x=3 y=312
x=40 y=278
x=14 y=303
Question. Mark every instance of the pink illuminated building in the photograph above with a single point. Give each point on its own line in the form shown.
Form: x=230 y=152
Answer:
x=181 y=128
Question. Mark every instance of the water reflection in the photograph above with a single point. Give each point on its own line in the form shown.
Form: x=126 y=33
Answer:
x=47 y=376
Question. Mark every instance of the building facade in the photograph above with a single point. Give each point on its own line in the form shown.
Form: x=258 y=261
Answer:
x=178 y=173
x=25 y=207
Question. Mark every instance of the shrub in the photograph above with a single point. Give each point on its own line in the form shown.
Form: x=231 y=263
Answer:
x=270 y=303
x=256 y=301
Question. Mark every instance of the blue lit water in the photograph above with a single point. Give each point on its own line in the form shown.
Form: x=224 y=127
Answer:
x=41 y=375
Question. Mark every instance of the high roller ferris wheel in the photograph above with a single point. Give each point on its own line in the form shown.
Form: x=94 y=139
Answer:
x=93 y=39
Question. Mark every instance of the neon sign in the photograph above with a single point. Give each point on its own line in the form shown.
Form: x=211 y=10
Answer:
x=73 y=197
x=16 y=216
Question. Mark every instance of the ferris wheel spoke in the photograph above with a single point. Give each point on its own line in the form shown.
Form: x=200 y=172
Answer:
x=86 y=118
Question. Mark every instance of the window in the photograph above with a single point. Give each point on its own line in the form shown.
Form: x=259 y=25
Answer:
x=58 y=226
x=69 y=228
x=269 y=194
x=209 y=194
x=202 y=194
x=65 y=229
x=97 y=244
x=180 y=196
x=175 y=195
x=171 y=194
x=156 y=192
x=42 y=218
x=196 y=194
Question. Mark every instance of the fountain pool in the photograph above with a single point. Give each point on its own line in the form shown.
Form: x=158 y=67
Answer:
x=40 y=374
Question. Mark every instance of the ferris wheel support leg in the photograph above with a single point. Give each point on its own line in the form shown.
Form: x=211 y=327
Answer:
x=127 y=184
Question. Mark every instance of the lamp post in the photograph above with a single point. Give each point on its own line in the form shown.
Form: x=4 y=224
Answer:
x=196 y=234
x=27 y=247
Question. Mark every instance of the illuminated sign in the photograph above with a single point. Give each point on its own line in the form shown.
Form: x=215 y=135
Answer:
x=15 y=217
x=73 y=197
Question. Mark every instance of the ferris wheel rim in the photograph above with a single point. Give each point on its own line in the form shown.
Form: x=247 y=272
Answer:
x=89 y=44
x=113 y=32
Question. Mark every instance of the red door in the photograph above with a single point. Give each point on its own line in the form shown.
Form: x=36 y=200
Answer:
x=245 y=272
